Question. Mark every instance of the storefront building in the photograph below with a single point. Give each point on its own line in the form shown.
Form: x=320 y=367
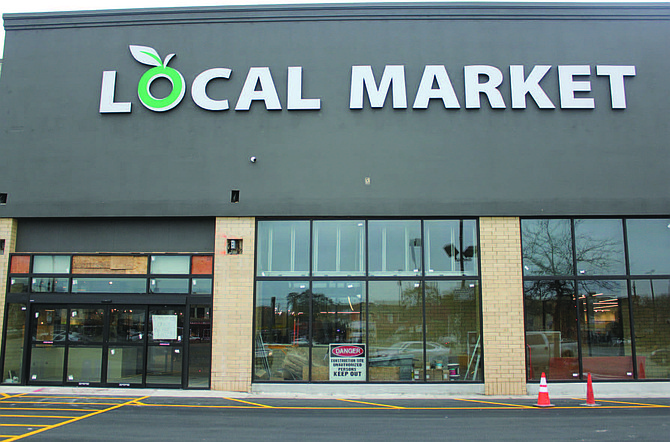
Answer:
x=417 y=197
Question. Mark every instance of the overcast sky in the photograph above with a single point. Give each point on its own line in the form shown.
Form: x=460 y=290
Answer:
x=82 y=5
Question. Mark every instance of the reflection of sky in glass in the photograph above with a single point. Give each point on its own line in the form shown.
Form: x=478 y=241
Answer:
x=599 y=245
x=547 y=247
x=649 y=246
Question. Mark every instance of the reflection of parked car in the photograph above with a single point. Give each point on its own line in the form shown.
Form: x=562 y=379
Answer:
x=434 y=351
x=59 y=336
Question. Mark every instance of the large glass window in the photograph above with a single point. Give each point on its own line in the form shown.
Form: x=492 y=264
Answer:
x=14 y=339
x=338 y=311
x=453 y=339
x=281 y=350
x=361 y=307
x=605 y=329
x=51 y=264
x=283 y=248
x=547 y=247
x=451 y=247
x=581 y=316
x=396 y=316
x=649 y=246
x=339 y=248
x=651 y=310
x=200 y=346
x=394 y=248
x=551 y=329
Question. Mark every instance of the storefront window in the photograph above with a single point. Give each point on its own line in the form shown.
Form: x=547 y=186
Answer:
x=358 y=313
x=127 y=324
x=168 y=285
x=547 y=247
x=453 y=341
x=50 y=285
x=51 y=264
x=649 y=246
x=84 y=364
x=165 y=265
x=651 y=310
x=339 y=318
x=14 y=339
x=281 y=347
x=396 y=316
x=283 y=248
x=109 y=285
x=599 y=247
x=551 y=329
x=86 y=324
x=394 y=248
x=200 y=346
x=605 y=329
x=339 y=248
x=601 y=303
x=451 y=247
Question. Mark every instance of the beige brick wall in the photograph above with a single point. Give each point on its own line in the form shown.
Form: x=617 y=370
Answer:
x=502 y=306
x=233 y=306
x=8 y=229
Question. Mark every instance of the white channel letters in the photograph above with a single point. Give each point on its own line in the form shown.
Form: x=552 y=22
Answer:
x=479 y=81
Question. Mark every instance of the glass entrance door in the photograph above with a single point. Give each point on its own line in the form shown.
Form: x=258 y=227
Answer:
x=122 y=346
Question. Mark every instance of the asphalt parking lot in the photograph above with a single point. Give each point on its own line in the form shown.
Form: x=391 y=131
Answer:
x=34 y=416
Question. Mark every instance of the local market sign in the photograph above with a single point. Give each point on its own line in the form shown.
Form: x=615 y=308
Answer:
x=435 y=84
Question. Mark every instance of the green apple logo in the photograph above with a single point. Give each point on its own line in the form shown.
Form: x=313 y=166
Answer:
x=149 y=56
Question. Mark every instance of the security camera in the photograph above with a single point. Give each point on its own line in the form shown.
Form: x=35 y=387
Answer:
x=252 y=159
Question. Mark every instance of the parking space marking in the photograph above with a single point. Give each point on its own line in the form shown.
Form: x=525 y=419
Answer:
x=494 y=403
x=371 y=403
x=250 y=403
x=69 y=421
x=636 y=404
x=38 y=416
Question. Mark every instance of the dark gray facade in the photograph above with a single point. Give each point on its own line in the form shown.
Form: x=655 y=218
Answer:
x=63 y=158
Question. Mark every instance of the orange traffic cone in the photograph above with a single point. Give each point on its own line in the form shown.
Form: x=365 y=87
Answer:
x=543 y=395
x=590 y=397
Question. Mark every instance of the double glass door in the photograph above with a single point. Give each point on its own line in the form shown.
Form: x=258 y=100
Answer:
x=122 y=346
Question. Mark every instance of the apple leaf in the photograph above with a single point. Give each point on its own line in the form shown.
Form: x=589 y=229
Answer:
x=145 y=55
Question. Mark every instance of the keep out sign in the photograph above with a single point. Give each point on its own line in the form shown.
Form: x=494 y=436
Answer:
x=347 y=362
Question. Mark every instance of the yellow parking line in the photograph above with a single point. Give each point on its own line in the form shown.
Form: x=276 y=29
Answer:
x=370 y=403
x=48 y=409
x=60 y=403
x=494 y=403
x=249 y=403
x=630 y=403
x=38 y=416
x=23 y=425
x=11 y=396
x=60 y=424
x=81 y=397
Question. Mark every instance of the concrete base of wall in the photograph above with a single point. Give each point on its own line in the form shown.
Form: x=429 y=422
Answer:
x=366 y=391
x=605 y=389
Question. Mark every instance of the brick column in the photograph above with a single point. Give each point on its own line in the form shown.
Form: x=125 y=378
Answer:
x=8 y=227
x=233 y=306
x=502 y=306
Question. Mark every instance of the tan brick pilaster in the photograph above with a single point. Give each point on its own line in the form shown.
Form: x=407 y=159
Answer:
x=502 y=306
x=8 y=229
x=233 y=306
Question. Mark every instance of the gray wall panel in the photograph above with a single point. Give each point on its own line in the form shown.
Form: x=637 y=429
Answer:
x=93 y=235
x=61 y=157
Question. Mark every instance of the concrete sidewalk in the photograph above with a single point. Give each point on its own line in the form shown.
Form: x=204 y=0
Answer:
x=351 y=391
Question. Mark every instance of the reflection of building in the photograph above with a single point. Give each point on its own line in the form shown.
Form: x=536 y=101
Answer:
x=205 y=215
